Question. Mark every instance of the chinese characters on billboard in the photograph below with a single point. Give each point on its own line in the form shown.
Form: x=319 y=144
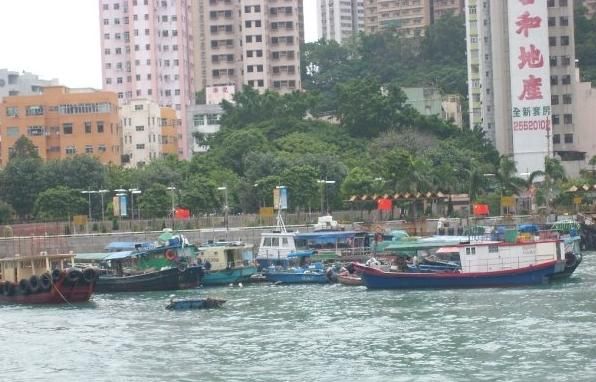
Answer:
x=530 y=83
x=280 y=198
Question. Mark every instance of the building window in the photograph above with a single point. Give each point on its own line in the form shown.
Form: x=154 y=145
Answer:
x=567 y=99
x=555 y=118
x=554 y=80
x=556 y=139
x=12 y=132
x=563 y=3
x=564 y=40
x=99 y=126
x=34 y=110
x=568 y=138
x=552 y=41
x=554 y=100
x=567 y=118
x=141 y=146
x=138 y=107
x=88 y=149
x=87 y=127
x=101 y=148
x=140 y=128
x=552 y=21
x=198 y=120
x=566 y=79
x=553 y=60
x=67 y=128
x=70 y=150
x=564 y=21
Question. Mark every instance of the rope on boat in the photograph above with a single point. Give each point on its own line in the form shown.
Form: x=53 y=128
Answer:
x=60 y=293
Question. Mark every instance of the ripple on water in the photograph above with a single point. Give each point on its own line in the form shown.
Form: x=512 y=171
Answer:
x=313 y=333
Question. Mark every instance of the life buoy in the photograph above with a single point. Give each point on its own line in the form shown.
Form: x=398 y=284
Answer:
x=45 y=282
x=170 y=254
x=34 y=284
x=182 y=267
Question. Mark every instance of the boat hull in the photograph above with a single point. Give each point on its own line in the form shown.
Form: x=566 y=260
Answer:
x=349 y=280
x=297 y=278
x=532 y=275
x=61 y=292
x=225 y=277
x=167 y=279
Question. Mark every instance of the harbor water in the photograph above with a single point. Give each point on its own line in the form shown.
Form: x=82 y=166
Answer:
x=312 y=333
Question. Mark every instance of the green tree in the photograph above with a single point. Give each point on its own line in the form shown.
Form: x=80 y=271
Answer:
x=7 y=213
x=200 y=194
x=156 y=201
x=20 y=185
x=24 y=149
x=60 y=203
x=360 y=181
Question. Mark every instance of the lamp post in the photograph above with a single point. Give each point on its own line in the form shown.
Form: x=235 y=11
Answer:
x=173 y=190
x=324 y=183
x=89 y=192
x=101 y=192
x=133 y=192
x=225 y=190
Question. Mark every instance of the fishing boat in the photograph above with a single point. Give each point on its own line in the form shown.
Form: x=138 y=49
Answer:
x=45 y=279
x=194 y=303
x=300 y=271
x=519 y=260
x=226 y=262
x=329 y=241
x=169 y=265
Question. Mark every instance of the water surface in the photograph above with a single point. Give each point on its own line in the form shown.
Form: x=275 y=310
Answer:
x=312 y=333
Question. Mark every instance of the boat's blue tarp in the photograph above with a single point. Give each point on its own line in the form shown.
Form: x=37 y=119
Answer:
x=328 y=234
x=301 y=254
x=120 y=255
x=116 y=246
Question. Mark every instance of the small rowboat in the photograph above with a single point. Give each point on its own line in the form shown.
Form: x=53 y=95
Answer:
x=194 y=303
x=346 y=278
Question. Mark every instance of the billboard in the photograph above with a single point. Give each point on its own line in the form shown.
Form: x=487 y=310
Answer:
x=123 y=206
x=280 y=198
x=530 y=83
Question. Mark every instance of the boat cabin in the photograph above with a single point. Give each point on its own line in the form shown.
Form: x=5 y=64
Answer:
x=226 y=255
x=17 y=268
x=336 y=242
x=276 y=245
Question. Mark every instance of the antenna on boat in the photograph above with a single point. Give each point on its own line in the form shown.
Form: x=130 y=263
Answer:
x=279 y=221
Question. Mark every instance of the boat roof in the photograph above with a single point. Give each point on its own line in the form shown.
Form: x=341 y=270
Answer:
x=116 y=246
x=58 y=256
x=327 y=234
x=222 y=243
x=103 y=256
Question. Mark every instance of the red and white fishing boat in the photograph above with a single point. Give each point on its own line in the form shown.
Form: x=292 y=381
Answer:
x=45 y=279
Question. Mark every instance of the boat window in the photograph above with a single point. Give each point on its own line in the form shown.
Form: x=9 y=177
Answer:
x=493 y=248
x=275 y=242
x=267 y=242
x=284 y=242
x=471 y=251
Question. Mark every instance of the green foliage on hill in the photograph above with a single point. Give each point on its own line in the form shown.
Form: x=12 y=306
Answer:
x=585 y=43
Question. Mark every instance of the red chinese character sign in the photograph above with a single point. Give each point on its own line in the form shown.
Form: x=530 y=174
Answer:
x=530 y=83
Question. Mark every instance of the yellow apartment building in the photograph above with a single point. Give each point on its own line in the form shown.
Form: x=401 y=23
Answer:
x=63 y=122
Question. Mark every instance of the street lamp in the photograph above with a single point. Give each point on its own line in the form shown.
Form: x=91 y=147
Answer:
x=89 y=192
x=324 y=183
x=133 y=192
x=101 y=192
x=173 y=189
x=225 y=190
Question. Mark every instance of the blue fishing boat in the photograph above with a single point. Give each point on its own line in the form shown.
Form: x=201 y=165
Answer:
x=525 y=260
x=301 y=272
x=226 y=262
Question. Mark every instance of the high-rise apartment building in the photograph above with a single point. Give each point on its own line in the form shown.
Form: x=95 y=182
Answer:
x=147 y=51
x=409 y=18
x=148 y=132
x=14 y=83
x=521 y=79
x=339 y=20
x=248 y=42
x=63 y=122
x=446 y=7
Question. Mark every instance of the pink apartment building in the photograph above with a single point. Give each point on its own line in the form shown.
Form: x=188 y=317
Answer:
x=147 y=52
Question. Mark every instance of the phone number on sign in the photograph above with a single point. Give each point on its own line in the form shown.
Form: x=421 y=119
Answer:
x=541 y=124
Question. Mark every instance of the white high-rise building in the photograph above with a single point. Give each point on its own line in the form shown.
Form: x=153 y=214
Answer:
x=521 y=81
x=147 y=52
x=339 y=20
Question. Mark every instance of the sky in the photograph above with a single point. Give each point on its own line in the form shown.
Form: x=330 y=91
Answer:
x=60 y=39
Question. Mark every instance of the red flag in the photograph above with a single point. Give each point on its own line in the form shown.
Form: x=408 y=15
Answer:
x=384 y=204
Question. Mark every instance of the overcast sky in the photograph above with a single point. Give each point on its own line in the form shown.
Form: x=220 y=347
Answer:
x=60 y=38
